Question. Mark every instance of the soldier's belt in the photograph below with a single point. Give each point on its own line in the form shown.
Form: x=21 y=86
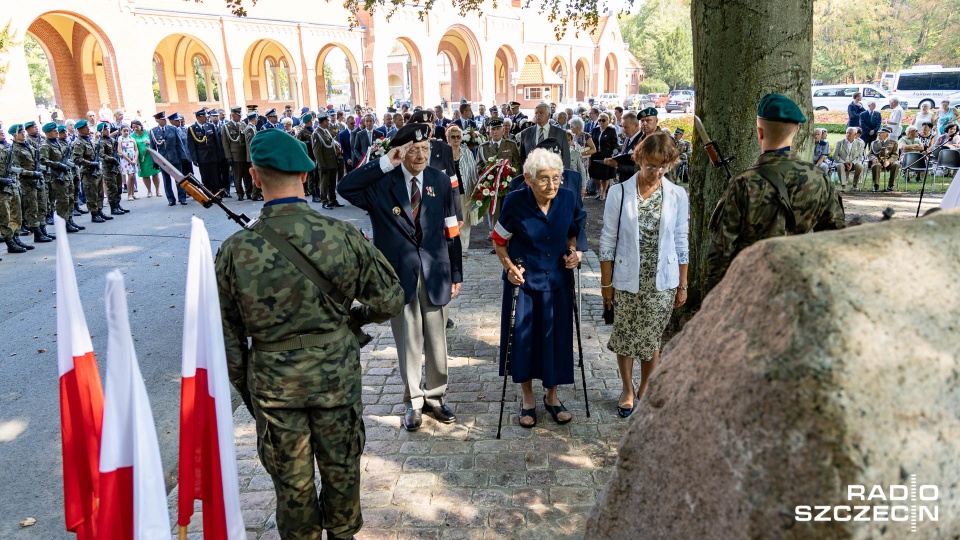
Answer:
x=303 y=341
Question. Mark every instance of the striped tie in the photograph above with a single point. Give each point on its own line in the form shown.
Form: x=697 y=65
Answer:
x=540 y=134
x=415 y=207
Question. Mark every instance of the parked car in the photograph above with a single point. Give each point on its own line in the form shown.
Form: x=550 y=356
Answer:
x=680 y=100
x=659 y=99
x=836 y=97
x=637 y=102
x=609 y=99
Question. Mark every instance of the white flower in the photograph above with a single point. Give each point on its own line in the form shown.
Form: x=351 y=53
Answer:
x=489 y=177
x=486 y=192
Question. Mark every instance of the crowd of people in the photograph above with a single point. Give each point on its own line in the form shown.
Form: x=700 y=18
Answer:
x=870 y=143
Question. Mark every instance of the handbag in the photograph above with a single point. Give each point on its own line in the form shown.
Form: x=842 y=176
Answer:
x=608 y=311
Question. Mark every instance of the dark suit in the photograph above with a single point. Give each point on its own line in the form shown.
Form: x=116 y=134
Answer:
x=528 y=142
x=869 y=121
x=469 y=123
x=166 y=141
x=573 y=181
x=625 y=165
x=345 y=144
x=853 y=114
x=203 y=143
x=441 y=158
x=427 y=268
x=362 y=142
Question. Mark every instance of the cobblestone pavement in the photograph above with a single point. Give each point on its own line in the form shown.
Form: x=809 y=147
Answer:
x=458 y=481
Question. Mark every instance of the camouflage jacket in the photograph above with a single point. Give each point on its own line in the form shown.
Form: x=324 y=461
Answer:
x=85 y=154
x=26 y=157
x=51 y=154
x=750 y=209
x=684 y=147
x=249 y=131
x=264 y=296
x=107 y=146
x=6 y=161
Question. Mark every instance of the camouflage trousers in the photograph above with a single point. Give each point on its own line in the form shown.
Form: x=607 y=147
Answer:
x=9 y=212
x=312 y=185
x=288 y=441
x=62 y=194
x=34 y=203
x=93 y=188
x=113 y=187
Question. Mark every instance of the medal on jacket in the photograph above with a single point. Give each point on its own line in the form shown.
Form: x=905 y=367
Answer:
x=430 y=192
x=396 y=210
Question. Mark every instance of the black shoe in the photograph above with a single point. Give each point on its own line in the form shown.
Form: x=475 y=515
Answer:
x=122 y=209
x=260 y=198
x=70 y=228
x=624 y=412
x=49 y=220
x=76 y=213
x=493 y=251
x=171 y=204
x=103 y=216
x=75 y=226
x=317 y=199
x=24 y=231
x=336 y=204
x=876 y=189
x=98 y=219
x=412 y=419
x=555 y=411
x=183 y=203
x=327 y=207
x=449 y=324
x=116 y=211
x=239 y=198
x=889 y=189
x=39 y=237
x=227 y=196
x=79 y=211
x=43 y=229
x=443 y=413
x=13 y=247
x=19 y=242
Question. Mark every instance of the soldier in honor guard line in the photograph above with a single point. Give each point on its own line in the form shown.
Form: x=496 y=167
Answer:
x=59 y=179
x=249 y=132
x=778 y=196
x=516 y=118
x=165 y=140
x=26 y=155
x=86 y=155
x=11 y=212
x=66 y=142
x=304 y=134
x=107 y=148
x=301 y=378
x=326 y=152
x=235 y=148
x=272 y=121
x=204 y=149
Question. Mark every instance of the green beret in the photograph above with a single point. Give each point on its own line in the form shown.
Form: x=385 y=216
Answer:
x=274 y=149
x=81 y=124
x=29 y=124
x=778 y=108
x=649 y=111
x=307 y=118
x=14 y=129
x=61 y=128
x=101 y=125
x=49 y=126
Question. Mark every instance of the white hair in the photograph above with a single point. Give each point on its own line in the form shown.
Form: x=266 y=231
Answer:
x=539 y=160
x=895 y=100
x=576 y=122
x=851 y=128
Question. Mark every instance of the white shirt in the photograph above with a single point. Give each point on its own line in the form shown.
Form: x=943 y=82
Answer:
x=386 y=167
x=895 y=121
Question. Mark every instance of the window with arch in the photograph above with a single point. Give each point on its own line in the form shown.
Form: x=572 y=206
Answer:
x=159 y=91
x=269 y=71
x=200 y=75
x=283 y=80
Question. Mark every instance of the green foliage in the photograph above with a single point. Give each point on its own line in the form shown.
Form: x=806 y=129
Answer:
x=157 y=94
x=199 y=76
x=653 y=86
x=39 y=68
x=8 y=40
x=660 y=35
x=857 y=40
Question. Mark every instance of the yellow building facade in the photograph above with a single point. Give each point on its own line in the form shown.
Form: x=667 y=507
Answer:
x=178 y=55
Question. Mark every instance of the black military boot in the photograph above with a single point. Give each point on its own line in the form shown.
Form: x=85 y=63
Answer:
x=103 y=216
x=49 y=219
x=13 y=247
x=24 y=231
x=79 y=211
x=70 y=228
x=122 y=209
x=19 y=242
x=95 y=218
x=39 y=237
x=74 y=225
x=43 y=229
x=115 y=210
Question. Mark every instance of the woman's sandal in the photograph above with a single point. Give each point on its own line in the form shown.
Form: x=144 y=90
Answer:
x=555 y=411
x=528 y=413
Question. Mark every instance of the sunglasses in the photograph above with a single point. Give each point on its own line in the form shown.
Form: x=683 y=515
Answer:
x=455 y=137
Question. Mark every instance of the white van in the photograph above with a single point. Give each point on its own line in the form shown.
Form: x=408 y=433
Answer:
x=926 y=84
x=836 y=97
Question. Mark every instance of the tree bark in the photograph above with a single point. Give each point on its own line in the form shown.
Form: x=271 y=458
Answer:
x=742 y=49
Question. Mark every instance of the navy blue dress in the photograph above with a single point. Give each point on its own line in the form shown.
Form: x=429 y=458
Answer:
x=543 y=332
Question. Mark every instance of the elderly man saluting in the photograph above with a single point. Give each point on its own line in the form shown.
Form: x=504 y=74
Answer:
x=413 y=211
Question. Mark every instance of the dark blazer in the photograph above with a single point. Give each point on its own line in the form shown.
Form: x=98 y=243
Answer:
x=869 y=121
x=344 y=139
x=207 y=151
x=441 y=158
x=384 y=196
x=528 y=142
x=166 y=141
x=625 y=165
x=607 y=144
x=572 y=181
x=853 y=114
x=361 y=143
x=469 y=123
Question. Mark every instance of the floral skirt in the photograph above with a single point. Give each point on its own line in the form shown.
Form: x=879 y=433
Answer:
x=640 y=319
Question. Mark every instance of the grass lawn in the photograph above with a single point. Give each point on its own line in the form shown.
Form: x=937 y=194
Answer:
x=937 y=184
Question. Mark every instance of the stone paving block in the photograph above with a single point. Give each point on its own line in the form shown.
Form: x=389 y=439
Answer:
x=461 y=534
x=418 y=534
x=423 y=516
x=508 y=479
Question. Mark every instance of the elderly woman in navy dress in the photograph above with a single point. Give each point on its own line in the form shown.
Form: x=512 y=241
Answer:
x=539 y=225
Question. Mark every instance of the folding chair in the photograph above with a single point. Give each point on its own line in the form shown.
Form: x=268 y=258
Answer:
x=914 y=162
x=949 y=160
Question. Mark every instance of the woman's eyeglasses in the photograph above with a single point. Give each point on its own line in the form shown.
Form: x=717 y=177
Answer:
x=455 y=137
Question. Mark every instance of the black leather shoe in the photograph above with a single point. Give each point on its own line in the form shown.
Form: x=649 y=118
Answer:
x=103 y=216
x=97 y=219
x=171 y=204
x=183 y=203
x=327 y=207
x=227 y=196
x=450 y=324
x=443 y=413
x=116 y=211
x=20 y=243
x=75 y=226
x=316 y=199
x=412 y=419
x=239 y=198
x=336 y=204
x=260 y=198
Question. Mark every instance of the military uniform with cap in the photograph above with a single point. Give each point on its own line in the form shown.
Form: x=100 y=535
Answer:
x=11 y=213
x=302 y=375
x=305 y=135
x=87 y=157
x=59 y=179
x=204 y=148
x=885 y=156
x=778 y=196
x=249 y=132
x=107 y=150
x=271 y=122
x=235 y=149
x=33 y=200
x=324 y=148
x=680 y=172
x=165 y=140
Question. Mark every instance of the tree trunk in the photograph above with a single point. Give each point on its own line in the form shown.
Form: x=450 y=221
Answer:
x=742 y=49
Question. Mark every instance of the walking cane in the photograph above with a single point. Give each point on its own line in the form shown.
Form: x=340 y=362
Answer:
x=506 y=359
x=575 y=283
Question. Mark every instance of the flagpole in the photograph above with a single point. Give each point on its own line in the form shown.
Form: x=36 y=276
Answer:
x=182 y=534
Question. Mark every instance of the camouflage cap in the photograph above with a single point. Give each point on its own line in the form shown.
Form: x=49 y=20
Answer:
x=779 y=108
x=275 y=149
x=49 y=126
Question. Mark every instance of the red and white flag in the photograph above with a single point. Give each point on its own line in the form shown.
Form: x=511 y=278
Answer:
x=81 y=399
x=208 y=461
x=133 y=498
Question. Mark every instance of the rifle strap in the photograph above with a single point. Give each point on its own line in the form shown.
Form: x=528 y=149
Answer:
x=299 y=260
x=777 y=182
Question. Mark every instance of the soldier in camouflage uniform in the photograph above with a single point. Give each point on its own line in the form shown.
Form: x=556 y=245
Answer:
x=70 y=176
x=86 y=155
x=58 y=179
x=107 y=147
x=884 y=156
x=33 y=198
x=10 y=216
x=752 y=208
x=302 y=376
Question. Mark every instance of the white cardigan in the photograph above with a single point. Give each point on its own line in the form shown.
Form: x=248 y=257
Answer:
x=674 y=229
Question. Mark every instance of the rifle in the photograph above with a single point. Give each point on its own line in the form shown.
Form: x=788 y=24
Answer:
x=197 y=190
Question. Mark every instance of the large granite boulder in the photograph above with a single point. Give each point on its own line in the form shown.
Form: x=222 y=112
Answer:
x=820 y=362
